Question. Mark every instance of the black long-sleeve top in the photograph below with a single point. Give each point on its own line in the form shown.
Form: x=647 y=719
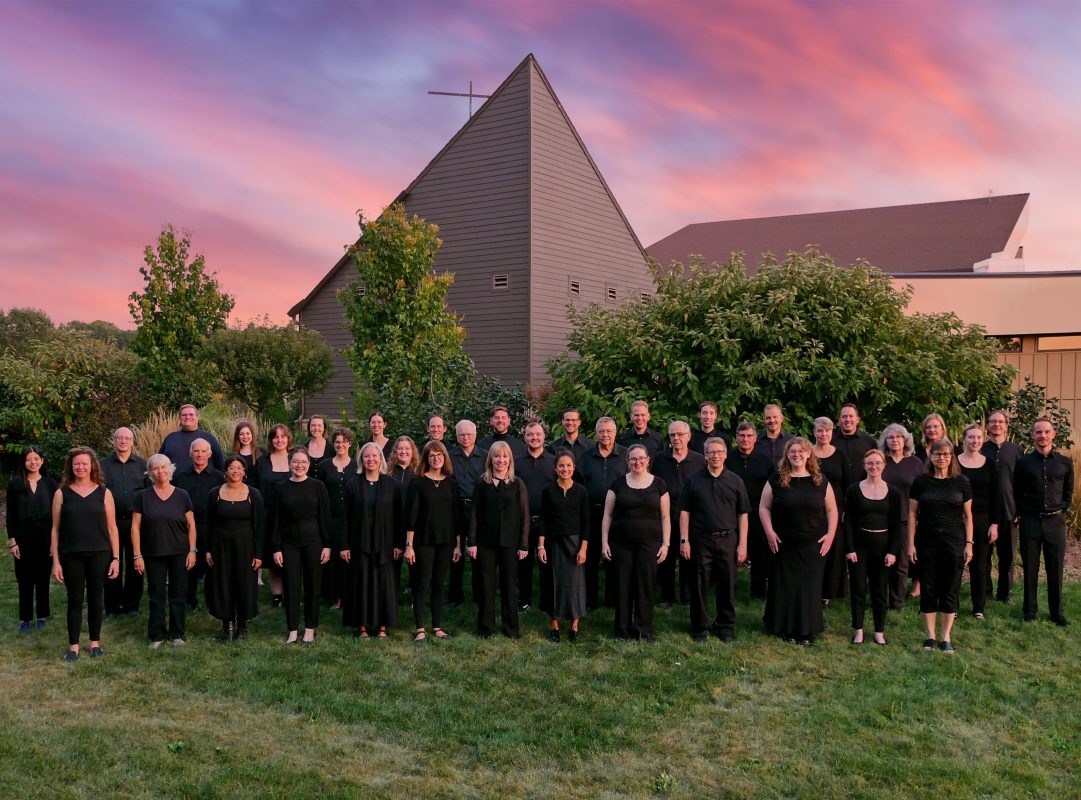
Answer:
x=124 y=479
x=1043 y=484
x=854 y=447
x=517 y=446
x=699 y=438
x=986 y=500
x=220 y=518
x=337 y=483
x=1005 y=456
x=434 y=511
x=864 y=514
x=677 y=473
x=597 y=472
x=649 y=438
x=565 y=513
x=467 y=469
x=376 y=523
x=577 y=448
x=301 y=514
x=177 y=445
x=901 y=475
x=537 y=472
x=30 y=513
x=500 y=515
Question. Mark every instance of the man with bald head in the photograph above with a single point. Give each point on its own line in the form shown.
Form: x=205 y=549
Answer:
x=125 y=475
x=675 y=467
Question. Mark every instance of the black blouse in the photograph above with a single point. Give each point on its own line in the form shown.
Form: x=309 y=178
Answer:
x=941 y=507
x=864 y=514
x=83 y=527
x=376 y=525
x=163 y=524
x=301 y=514
x=565 y=513
x=500 y=515
x=30 y=513
x=434 y=511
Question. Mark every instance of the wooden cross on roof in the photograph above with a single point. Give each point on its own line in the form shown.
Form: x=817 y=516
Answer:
x=468 y=94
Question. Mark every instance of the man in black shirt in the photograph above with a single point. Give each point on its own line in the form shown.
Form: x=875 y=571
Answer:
x=437 y=429
x=772 y=440
x=501 y=433
x=597 y=469
x=1043 y=487
x=713 y=537
x=851 y=441
x=197 y=480
x=639 y=431
x=177 y=445
x=572 y=439
x=1005 y=454
x=125 y=475
x=537 y=469
x=675 y=467
x=754 y=468
x=468 y=462
x=707 y=416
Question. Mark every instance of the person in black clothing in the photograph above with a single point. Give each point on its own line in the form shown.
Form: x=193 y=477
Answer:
x=636 y=534
x=940 y=539
x=754 y=468
x=500 y=422
x=498 y=538
x=983 y=476
x=437 y=429
x=934 y=428
x=85 y=545
x=468 y=463
x=563 y=544
x=598 y=468
x=402 y=467
x=29 y=522
x=707 y=416
x=675 y=467
x=902 y=468
x=1043 y=483
x=177 y=445
x=572 y=439
x=301 y=542
x=197 y=480
x=125 y=475
x=835 y=468
x=851 y=441
x=872 y=541
x=244 y=446
x=377 y=432
x=376 y=537
x=772 y=441
x=235 y=520
x=639 y=431
x=714 y=509
x=433 y=539
x=1004 y=453
x=319 y=449
x=271 y=470
x=163 y=534
x=336 y=474
x=537 y=469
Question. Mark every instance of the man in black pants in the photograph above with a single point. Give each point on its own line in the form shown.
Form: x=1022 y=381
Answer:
x=468 y=462
x=1005 y=455
x=597 y=469
x=1043 y=487
x=197 y=480
x=851 y=441
x=754 y=468
x=125 y=475
x=676 y=467
x=537 y=469
x=713 y=536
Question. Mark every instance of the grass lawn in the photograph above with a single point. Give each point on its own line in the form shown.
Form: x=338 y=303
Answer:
x=471 y=718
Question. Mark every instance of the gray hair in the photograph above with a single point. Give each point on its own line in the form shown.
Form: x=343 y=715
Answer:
x=604 y=420
x=160 y=458
x=465 y=424
x=825 y=422
x=676 y=422
x=200 y=440
x=894 y=427
x=365 y=448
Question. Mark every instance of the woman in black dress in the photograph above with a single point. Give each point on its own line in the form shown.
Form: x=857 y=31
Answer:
x=377 y=432
x=336 y=474
x=498 y=538
x=375 y=537
x=433 y=535
x=636 y=532
x=318 y=447
x=834 y=466
x=563 y=543
x=872 y=541
x=163 y=538
x=940 y=539
x=29 y=523
x=244 y=446
x=301 y=542
x=402 y=467
x=235 y=534
x=983 y=476
x=271 y=470
x=902 y=468
x=83 y=539
x=799 y=515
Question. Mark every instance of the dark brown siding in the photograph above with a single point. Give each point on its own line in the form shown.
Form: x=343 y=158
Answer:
x=578 y=232
x=324 y=313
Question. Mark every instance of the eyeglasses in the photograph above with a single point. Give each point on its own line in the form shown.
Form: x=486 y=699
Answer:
x=942 y=454
x=637 y=459
x=717 y=453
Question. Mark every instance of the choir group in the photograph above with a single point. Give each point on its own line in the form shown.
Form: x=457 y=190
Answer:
x=842 y=515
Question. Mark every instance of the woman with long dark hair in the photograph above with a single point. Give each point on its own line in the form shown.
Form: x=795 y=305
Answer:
x=272 y=470
x=563 y=543
x=337 y=474
x=377 y=432
x=29 y=523
x=319 y=449
x=244 y=445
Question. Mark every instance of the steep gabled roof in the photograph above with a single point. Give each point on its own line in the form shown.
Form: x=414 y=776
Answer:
x=927 y=237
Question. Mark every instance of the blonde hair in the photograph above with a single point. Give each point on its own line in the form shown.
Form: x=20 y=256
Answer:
x=498 y=447
x=784 y=469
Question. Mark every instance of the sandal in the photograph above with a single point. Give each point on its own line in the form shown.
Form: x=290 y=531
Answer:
x=439 y=633
x=420 y=635
x=382 y=633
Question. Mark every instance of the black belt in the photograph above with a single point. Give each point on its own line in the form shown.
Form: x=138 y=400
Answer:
x=535 y=518
x=717 y=534
x=1046 y=514
x=467 y=501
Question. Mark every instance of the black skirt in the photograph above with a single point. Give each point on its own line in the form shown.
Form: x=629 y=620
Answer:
x=569 y=578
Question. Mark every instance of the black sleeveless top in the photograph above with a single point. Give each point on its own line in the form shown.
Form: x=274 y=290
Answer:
x=82 y=522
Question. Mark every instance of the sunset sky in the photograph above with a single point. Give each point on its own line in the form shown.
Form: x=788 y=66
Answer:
x=262 y=127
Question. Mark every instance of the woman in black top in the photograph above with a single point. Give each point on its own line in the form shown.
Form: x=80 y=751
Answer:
x=636 y=532
x=271 y=470
x=940 y=539
x=563 y=542
x=432 y=535
x=163 y=539
x=983 y=476
x=377 y=432
x=498 y=538
x=402 y=467
x=235 y=538
x=29 y=522
x=834 y=466
x=301 y=542
x=872 y=540
x=336 y=474
x=84 y=537
x=318 y=447
x=799 y=515
x=375 y=537
x=244 y=446
x=902 y=468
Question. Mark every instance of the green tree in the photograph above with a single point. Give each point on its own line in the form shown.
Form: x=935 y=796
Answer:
x=267 y=366
x=179 y=307
x=407 y=349
x=20 y=328
x=802 y=332
x=100 y=329
x=1028 y=403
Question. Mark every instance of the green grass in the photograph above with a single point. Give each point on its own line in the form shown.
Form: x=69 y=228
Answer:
x=603 y=719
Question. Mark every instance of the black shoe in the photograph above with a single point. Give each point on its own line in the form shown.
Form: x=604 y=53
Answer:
x=928 y=644
x=514 y=636
x=71 y=655
x=276 y=601
x=226 y=632
x=553 y=636
x=1029 y=618
x=523 y=607
x=192 y=607
x=726 y=636
x=572 y=636
x=945 y=647
x=240 y=632
x=1062 y=622
x=806 y=642
x=97 y=652
x=700 y=637
x=484 y=636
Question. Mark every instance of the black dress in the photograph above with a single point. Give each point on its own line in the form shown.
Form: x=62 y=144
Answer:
x=565 y=523
x=29 y=523
x=986 y=510
x=267 y=480
x=235 y=529
x=634 y=538
x=836 y=470
x=336 y=571
x=940 y=540
x=900 y=475
x=794 y=599
x=375 y=529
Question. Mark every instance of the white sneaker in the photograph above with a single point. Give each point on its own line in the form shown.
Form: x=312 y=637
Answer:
x=179 y=643
x=155 y=645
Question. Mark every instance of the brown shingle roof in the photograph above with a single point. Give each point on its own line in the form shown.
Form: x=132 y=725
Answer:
x=927 y=237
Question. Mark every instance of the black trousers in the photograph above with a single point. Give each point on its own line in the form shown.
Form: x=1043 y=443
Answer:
x=503 y=560
x=869 y=573
x=1005 y=548
x=594 y=565
x=979 y=568
x=761 y=557
x=666 y=578
x=301 y=570
x=32 y=571
x=1045 y=535
x=526 y=569
x=125 y=592
x=84 y=573
x=899 y=574
x=429 y=572
x=634 y=569
x=166 y=573
x=713 y=559
x=199 y=571
x=940 y=563
x=455 y=586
